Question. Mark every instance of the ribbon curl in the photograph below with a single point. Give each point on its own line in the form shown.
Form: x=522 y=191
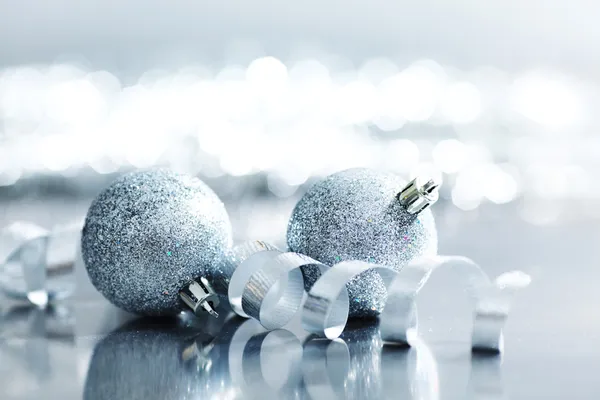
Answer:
x=268 y=286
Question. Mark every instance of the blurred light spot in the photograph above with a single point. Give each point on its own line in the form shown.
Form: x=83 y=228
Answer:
x=547 y=180
x=540 y=211
x=579 y=182
x=449 y=155
x=461 y=102
x=546 y=100
x=401 y=155
x=292 y=175
x=235 y=166
x=412 y=94
x=75 y=102
x=477 y=153
x=389 y=123
x=10 y=173
x=428 y=170
x=279 y=186
x=377 y=69
x=146 y=153
x=214 y=137
x=56 y=152
x=21 y=94
x=499 y=186
x=356 y=102
x=242 y=51
x=267 y=74
x=10 y=176
x=310 y=72
x=467 y=192
x=64 y=71
x=238 y=158
x=231 y=73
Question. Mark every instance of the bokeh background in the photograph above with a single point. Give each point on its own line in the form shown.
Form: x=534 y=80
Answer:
x=498 y=99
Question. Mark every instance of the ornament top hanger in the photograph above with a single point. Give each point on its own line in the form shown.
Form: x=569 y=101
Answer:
x=419 y=194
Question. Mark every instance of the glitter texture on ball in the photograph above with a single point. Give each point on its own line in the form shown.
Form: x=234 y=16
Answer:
x=356 y=215
x=148 y=234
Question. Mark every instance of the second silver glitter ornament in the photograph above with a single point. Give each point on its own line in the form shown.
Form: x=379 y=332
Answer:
x=366 y=215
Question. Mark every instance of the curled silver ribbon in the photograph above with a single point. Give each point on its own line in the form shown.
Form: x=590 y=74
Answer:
x=268 y=286
x=249 y=257
x=274 y=292
x=492 y=300
x=326 y=309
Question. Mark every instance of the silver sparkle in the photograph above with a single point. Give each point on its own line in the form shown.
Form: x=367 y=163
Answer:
x=150 y=233
x=356 y=215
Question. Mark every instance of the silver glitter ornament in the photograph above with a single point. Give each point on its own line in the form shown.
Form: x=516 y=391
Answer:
x=151 y=240
x=366 y=215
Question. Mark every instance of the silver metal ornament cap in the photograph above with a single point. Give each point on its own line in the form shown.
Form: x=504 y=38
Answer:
x=419 y=194
x=200 y=297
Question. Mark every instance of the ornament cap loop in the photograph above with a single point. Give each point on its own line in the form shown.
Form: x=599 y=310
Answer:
x=419 y=194
x=200 y=297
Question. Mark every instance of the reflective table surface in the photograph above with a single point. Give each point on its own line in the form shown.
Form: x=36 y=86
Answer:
x=86 y=348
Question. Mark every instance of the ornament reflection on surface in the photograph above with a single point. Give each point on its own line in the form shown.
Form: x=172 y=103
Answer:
x=150 y=359
x=37 y=264
x=364 y=375
x=142 y=360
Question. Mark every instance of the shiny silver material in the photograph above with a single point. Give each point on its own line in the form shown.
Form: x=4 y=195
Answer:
x=273 y=294
x=273 y=291
x=36 y=264
x=243 y=251
x=398 y=321
x=492 y=308
x=326 y=309
x=248 y=258
x=419 y=194
x=200 y=297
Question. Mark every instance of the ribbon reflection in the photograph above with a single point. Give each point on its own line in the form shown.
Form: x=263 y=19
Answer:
x=36 y=349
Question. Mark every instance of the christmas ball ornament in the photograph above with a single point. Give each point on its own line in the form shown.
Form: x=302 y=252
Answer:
x=152 y=239
x=366 y=215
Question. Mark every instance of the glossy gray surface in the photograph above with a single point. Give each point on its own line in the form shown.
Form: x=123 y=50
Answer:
x=88 y=349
